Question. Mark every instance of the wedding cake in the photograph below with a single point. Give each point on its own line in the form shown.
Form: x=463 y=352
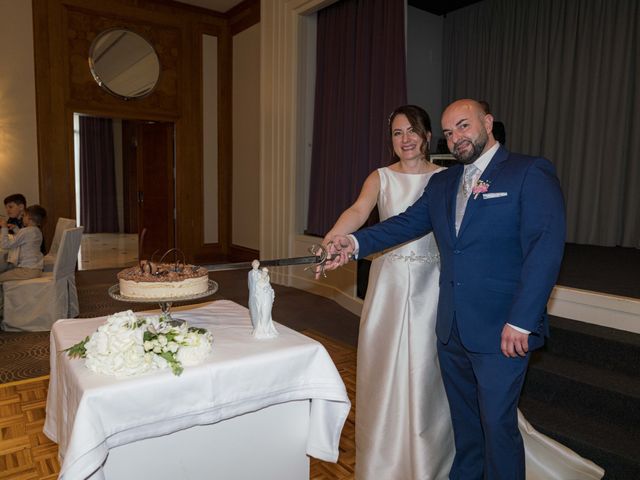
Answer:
x=163 y=280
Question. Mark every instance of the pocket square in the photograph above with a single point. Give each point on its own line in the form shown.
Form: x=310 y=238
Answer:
x=487 y=196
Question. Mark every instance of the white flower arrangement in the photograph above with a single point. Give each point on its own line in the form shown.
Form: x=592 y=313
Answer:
x=126 y=345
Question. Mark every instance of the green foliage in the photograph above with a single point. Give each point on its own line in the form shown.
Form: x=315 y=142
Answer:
x=79 y=350
x=175 y=365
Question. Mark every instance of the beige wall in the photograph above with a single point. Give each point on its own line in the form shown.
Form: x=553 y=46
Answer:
x=246 y=138
x=286 y=93
x=18 y=141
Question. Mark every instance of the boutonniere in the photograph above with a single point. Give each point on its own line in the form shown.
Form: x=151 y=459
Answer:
x=481 y=187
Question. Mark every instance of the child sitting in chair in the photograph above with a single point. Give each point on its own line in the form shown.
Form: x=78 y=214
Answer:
x=24 y=259
x=15 y=205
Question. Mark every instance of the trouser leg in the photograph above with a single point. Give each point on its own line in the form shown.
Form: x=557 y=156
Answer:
x=499 y=383
x=460 y=386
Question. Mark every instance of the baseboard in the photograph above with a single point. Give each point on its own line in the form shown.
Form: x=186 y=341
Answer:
x=611 y=311
x=349 y=302
x=242 y=254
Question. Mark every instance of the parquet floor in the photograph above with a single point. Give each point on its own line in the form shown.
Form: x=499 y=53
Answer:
x=26 y=453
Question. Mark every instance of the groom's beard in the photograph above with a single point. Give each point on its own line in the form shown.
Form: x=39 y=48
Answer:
x=472 y=155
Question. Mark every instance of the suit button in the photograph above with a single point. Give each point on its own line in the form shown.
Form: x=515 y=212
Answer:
x=459 y=284
x=457 y=252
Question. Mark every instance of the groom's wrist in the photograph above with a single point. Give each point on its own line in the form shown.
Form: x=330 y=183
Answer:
x=356 y=246
x=521 y=330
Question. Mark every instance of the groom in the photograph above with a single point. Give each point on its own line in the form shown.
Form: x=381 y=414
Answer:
x=499 y=221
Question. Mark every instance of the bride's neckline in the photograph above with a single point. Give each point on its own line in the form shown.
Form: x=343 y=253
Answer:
x=397 y=167
x=414 y=173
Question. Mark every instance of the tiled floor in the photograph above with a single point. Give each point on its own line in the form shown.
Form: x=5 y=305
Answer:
x=108 y=250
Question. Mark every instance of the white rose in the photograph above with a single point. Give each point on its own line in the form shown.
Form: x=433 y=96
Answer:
x=118 y=349
x=121 y=319
x=197 y=348
x=134 y=362
x=98 y=343
x=124 y=339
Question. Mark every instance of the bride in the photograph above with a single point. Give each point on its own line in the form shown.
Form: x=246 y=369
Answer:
x=403 y=425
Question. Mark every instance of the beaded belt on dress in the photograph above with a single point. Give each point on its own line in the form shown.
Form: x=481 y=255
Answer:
x=428 y=258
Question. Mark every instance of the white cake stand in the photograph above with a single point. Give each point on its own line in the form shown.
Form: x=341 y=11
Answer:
x=165 y=303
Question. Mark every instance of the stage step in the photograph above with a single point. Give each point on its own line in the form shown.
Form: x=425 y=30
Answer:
x=595 y=345
x=583 y=390
x=616 y=448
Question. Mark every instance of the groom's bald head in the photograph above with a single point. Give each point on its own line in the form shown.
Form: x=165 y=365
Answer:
x=467 y=129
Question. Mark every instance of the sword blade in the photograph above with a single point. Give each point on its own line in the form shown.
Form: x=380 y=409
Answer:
x=278 y=262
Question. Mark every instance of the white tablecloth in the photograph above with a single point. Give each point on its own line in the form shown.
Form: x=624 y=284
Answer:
x=89 y=413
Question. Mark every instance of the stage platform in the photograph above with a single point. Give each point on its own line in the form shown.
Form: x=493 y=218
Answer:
x=608 y=270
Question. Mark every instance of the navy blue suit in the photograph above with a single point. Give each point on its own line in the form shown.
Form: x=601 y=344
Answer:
x=500 y=268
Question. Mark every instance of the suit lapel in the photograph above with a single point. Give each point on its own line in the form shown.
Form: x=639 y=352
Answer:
x=487 y=176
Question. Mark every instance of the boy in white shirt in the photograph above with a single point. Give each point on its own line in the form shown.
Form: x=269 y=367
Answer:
x=25 y=259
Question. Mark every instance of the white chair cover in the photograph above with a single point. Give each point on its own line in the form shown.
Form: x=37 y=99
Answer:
x=35 y=304
x=62 y=225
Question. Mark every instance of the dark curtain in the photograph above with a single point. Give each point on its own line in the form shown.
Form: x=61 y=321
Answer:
x=360 y=80
x=98 y=209
x=563 y=77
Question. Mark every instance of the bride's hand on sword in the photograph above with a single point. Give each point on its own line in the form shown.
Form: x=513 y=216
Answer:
x=339 y=251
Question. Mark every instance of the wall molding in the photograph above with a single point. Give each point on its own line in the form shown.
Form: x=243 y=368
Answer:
x=282 y=84
x=63 y=29
x=621 y=313
x=612 y=311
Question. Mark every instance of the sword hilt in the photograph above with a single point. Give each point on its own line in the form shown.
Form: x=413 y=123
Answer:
x=320 y=251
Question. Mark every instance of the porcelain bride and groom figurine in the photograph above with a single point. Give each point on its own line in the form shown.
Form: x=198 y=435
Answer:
x=261 y=296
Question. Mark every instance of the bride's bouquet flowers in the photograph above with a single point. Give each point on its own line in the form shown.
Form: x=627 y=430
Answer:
x=126 y=345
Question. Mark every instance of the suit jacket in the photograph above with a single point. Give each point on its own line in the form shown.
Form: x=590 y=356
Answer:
x=503 y=264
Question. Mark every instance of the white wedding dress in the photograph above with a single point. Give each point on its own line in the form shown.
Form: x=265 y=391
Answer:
x=403 y=426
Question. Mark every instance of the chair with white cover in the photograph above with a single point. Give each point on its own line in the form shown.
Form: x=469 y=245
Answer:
x=35 y=304
x=62 y=225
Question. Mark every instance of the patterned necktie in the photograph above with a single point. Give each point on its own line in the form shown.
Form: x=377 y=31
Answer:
x=464 y=192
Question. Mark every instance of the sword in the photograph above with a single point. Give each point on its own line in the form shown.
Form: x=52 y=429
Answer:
x=318 y=257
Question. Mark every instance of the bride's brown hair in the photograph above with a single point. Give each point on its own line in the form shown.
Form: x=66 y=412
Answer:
x=420 y=122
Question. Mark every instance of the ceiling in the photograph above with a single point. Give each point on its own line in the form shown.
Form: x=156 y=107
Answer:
x=437 y=7
x=441 y=7
x=216 y=5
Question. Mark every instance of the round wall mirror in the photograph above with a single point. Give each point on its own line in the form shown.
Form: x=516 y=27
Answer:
x=124 y=63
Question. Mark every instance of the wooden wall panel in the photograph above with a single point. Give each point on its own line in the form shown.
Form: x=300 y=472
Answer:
x=84 y=26
x=63 y=32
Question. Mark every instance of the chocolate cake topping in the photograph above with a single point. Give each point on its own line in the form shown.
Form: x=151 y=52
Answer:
x=164 y=272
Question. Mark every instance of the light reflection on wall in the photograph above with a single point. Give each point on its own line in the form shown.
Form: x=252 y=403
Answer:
x=18 y=131
x=7 y=149
x=18 y=138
